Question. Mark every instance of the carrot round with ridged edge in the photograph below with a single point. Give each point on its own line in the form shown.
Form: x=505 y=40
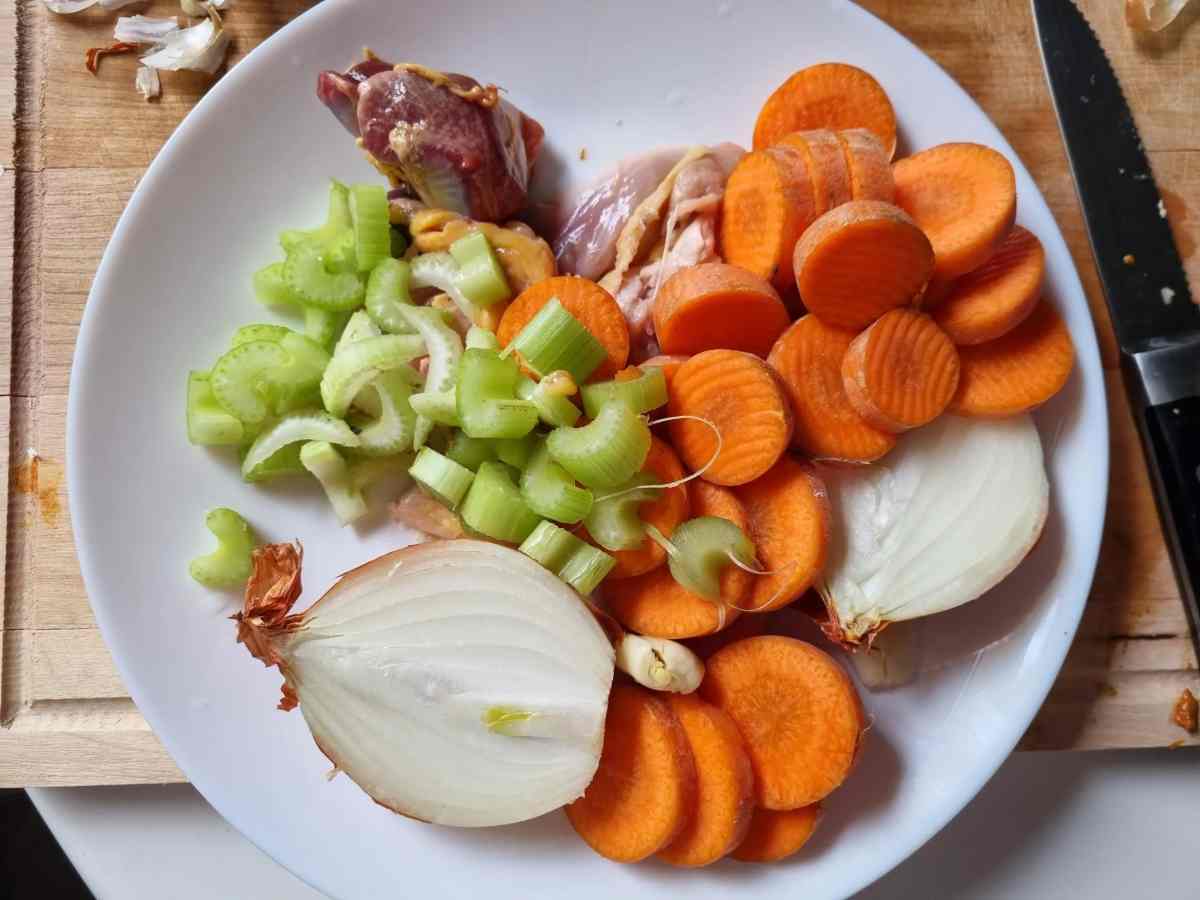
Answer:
x=860 y=260
x=808 y=357
x=827 y=95
x=870 y=169
x=655 y=604
x=768 y=202
x=826 y=164
x=741 y=396
x=644 y=790
x=591 y=304
x=997 y=297
x=964 y=197
x=724 y=785
x=776 y=834
x=901 y=372
x=1017 y=372
x=798 y=712
x=789 y=516
x=715 y=305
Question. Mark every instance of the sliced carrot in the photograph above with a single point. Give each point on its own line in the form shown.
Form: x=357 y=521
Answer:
x=964 y=197
x=1017 y=372
x=867 y=160
x=768 y=203
x=798 y=712
x=669 y=365
x=742 y=398
x=645 y=788
x=829 y=95
x=808 y=357
x=724 y=785
x=936 y=291
x=776 y=834
x=995 y=298
x=827 y=165
x=858 y=261
x=665 y=513
x=591 y=304
x=746 y=626
x=901 y=372
x=716 y=305
x=789 y=516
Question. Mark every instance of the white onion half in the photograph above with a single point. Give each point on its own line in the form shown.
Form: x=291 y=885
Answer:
x=456 y=682
x=944 y=518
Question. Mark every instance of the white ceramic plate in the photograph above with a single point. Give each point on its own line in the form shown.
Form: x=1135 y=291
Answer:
x=614 y=78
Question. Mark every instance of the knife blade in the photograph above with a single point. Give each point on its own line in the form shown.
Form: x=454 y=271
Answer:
x=1145 y=288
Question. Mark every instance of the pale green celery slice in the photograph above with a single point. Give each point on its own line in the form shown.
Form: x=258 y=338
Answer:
x=271 y=288
x=700 y=550
x=550 y=491
x=493 y=506
x=440 y=408
x=480 y=277
x=330 y=469
x=516 y=452
x=586 y=568
x=554 y=339
x=487 y=404
x=644 y=393
x=441 y=476
x=439 y=270
x=469 y=451
x=614 y=522
x=387 y=294
x=554 y=408
x=550 y=546
x=606 y=452
x=248 y=333
x=372 y=228
x=306 y=271
x=309 y=426
x=358 y=364
x=207 y=423
x=444 y=348
x=241 y=379
x=481 y=339
x=230 y=564
x=393 y=428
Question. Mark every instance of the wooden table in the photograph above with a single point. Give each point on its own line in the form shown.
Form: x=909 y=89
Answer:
x=72 y=147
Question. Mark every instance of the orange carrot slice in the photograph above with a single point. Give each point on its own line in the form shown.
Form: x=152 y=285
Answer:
x=936 y=291
x=777 y=834
x=829 y=95
x=964 y=197
x=798 y=712
x=858 y=261
x=867 y=160
x=826 y=164
x=1017 y=372
x=665 y=513
x=789 y=516
x=768 y=203
x=591 y=304
x=745 y=626
x=716 y=305
x=901 y=372
x=741 y=396
x=645 y=788
x=995 y=298
x=724 y=785
x=808 y=357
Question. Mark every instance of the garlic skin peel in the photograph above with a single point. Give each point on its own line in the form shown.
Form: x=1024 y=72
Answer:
x=944 y=518
x=455 y=682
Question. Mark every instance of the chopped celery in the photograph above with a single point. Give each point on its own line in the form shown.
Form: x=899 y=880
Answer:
x=387 y=294
x=549 y=491
x=644 y=393
x=578 y=564
x=372 y=229
x=444 y=348
x=297 y=383
x=241 y=382
x=308 y=426
x=469 y=451
x=283 y=462
x=554 y=339
x=306 y=273
x=516 y=452
x=392 y=431
x=586 y=568
x=441 y=476
x=358 y=364
x=493 y=506
x=230 y=564
x=614 y=522
x=439 y=270
x=358 y=327
x=480 y=277
x=439 y=407
x=323 y=325
x=554 y=407
x=248 y=333
x=367 y=471
x=702 y=548
x=271 y=288
x=207 y=423
x=481 y=339
x=327 y=465
x=339 y=213
x=487 y=404
x=606 y=452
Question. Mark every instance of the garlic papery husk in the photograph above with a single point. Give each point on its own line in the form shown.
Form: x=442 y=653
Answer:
x=944 y=518
x=199 y=47
x=456 y=682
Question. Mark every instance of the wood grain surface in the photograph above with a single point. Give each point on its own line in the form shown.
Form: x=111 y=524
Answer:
x=72 y=148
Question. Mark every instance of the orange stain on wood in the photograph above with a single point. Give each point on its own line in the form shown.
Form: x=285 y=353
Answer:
x=40 y=479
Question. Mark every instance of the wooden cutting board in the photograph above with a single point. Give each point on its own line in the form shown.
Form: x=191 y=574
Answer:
x=72 y=147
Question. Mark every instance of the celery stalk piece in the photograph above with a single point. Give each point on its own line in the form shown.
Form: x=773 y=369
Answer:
x=308 y=426
x=440 y=408
x=549 y=491
x=469 y=451
x=372 y=228
x=229 y=565
x=554 y=407
x=480 y=277
x=207 y=423
x=586 y=568
x=516 y=452
x=307 y=273
x=327 y=465
x=487 y=403
x=644 y=393
x=439 y=270
x=554 y=339
x=441 y=476
x=241 y=379
x=359 y=327
x=606 y=452
x=248 y=333
x=358 y=364
x=283 y=462
x=481 y=339
x=614 y=522
x=550 y=546
x=387 y=294
x=493 y=506
x=271 y=288
x=444 y=348
x=297 y=384
x=393 y=428
x=339 y=213
x=323 y=325
x=702 y=548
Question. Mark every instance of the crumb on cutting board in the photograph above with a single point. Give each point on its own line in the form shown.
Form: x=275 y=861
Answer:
x=583 y=152
x=1185 y=712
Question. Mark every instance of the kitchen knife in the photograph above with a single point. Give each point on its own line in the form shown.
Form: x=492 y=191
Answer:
x=1157 y=325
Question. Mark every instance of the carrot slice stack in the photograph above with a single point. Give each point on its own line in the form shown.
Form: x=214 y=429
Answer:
x=716 y=305
x=826 y=164
x=777 y=834
x=870 y=173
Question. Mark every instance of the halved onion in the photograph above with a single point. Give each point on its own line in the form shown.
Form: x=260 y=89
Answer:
x=946 y=516
x=456 y=682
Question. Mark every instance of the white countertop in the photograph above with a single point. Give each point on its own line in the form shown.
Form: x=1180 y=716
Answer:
x=1049 y=825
